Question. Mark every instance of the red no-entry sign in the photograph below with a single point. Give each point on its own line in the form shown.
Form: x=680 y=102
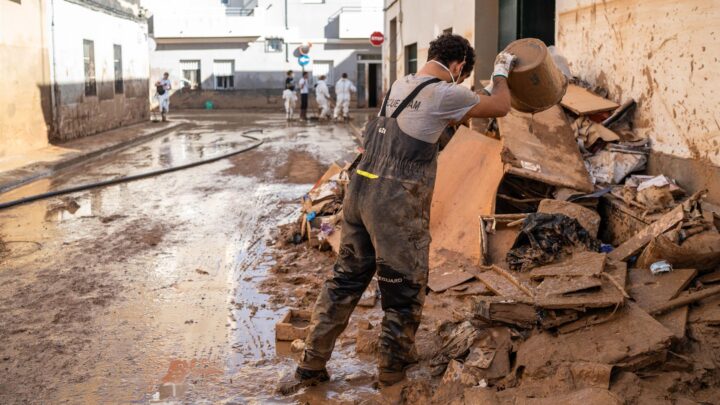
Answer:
x=377 y=38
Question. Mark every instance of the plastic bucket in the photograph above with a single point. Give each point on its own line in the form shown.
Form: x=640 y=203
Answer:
x=209 y=105
x=536 y=83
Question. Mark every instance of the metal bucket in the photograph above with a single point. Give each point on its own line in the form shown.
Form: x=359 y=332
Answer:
x=536 y=83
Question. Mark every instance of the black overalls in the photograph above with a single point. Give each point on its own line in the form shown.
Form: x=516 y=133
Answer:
x=386 y=217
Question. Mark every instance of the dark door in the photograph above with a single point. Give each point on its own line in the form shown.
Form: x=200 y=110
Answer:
x=526 y=19
x=373 y=83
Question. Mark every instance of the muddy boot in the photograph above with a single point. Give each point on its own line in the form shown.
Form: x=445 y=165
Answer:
x=292 y=382
x=164 y=117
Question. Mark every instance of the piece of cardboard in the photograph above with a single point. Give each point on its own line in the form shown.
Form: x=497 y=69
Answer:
x=626 y=340
x=642 y=238
x=542 y=147
x=583 y=102
x=649 y=290
x=468 y=175
x=579 y=264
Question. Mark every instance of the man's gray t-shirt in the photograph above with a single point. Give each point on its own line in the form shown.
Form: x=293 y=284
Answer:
x=433 y=109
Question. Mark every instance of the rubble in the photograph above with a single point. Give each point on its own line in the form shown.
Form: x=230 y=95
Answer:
x=541 y=288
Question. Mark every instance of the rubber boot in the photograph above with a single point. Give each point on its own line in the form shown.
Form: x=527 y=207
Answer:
x=291 y=383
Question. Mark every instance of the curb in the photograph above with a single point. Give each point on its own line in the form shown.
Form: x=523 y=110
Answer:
x=36 y=171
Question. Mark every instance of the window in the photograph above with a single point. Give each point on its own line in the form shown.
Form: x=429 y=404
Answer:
x=117 y=50
x=323 y=68
x=191 y=74
x=89 y=62
x=447 y=31
x=411 y=59
x=273 y=45
x=224 y=71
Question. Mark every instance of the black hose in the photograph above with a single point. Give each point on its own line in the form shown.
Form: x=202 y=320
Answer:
x=88 y=186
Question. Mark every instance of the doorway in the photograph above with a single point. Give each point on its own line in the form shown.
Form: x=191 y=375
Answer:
x=374 y=84
x=526 y=19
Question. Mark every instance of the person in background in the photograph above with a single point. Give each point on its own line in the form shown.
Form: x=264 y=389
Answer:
x=343 y=89
x=322 y=95
x=163 y=87
x=304 y=93
x=289 y=79
x=290 y=99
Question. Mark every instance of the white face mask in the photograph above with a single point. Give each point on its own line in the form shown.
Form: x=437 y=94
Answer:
x=446 y=68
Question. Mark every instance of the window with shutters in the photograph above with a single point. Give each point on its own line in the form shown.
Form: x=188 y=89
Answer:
x=224 y=72
x=411 y=61
x=191 y=74
x=89 y=62
x=117 y=62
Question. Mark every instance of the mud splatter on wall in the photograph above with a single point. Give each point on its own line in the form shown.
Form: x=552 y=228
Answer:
x=662 y=53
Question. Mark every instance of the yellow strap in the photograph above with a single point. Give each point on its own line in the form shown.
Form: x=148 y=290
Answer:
x=367 y=174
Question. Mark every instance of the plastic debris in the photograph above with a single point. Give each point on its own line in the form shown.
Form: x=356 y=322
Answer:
x=660 y=267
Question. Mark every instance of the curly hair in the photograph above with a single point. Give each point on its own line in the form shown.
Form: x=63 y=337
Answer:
x=448 y=48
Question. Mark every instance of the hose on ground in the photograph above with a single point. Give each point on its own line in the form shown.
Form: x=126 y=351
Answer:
x=140 y=176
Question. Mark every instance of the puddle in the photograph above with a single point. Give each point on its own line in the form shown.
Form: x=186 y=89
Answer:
x=148 y=291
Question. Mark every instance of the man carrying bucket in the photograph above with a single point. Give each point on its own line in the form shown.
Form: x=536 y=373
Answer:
x=385 y=226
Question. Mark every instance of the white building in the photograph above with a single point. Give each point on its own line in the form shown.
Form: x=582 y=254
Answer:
x=98 y=65
x=235 y=52
x=72 y=68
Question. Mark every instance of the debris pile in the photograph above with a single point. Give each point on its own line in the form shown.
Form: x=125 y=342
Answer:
x=561 y=272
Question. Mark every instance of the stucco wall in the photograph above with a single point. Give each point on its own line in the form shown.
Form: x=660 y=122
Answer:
x=81 y=115
x=24 y=67
x=662 y=53
x=421 y=22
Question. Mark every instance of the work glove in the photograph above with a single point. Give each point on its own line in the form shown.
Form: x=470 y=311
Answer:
x=504 y=63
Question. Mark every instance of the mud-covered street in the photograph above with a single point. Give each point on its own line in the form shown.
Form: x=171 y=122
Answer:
x=157 y=290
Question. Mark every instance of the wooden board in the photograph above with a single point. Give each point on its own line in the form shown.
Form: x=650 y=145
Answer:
x=566 y=285
x=633 y=245
x=583 y=102
x=623 y=341
x=542 y=147
x=676 y=321
x=443 y=278
x=649 y=290
x=500 y=285
x=607 y=296
x=579 y=264
x=468 y=175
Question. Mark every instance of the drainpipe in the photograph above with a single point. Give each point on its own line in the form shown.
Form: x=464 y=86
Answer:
x=54 y=107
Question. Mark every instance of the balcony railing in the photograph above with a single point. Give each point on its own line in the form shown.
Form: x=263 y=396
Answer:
x=240 y=8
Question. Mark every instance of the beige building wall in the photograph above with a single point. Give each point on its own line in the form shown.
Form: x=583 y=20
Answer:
x=420 y=21
x=664 y=54
x=25 y=72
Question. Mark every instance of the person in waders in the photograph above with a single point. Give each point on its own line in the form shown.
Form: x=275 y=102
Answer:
x=386 y=212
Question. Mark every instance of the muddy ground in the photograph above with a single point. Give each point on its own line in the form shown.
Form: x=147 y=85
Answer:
x=159 y=290
x=167 y=290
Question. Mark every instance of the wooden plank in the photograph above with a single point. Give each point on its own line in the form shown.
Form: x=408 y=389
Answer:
x=607 y=296
x=443 y=278
x=649 y=290
x=633 y=245
x=583 y=102
x=565 y=285
x=684 y=299
x=500 y=285
x=543 y=147
x=709 y=278
x=676 y=321
x=623 y=341
x=468 y=175
x=579 y=264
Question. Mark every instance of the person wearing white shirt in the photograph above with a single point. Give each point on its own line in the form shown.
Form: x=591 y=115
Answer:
x=343 y=89
x=290 y=99
x=322 y=95
x=304 y=93
x=162 y=94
